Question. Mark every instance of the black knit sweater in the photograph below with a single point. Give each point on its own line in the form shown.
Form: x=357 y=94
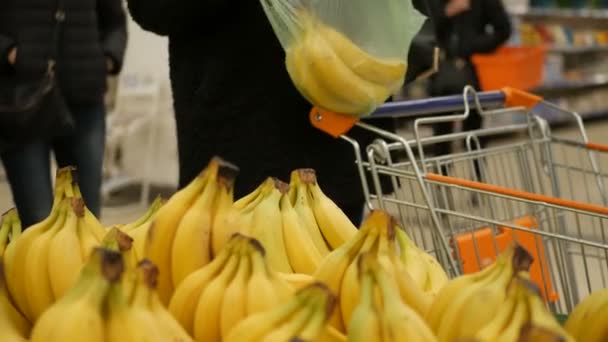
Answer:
x=234 y=98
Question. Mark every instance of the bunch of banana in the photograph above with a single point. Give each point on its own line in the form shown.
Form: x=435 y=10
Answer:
x=376 y=236
x=469 y=302
x=46 y=259
x=381 y=315
x=79 y=315
x=333 y=73
x=235 y=285
x=136 y=314
x=14 y=327
x=10 y=229
x=138 y=230
x=302 y=318
x=589 y=319
x=181 y=235
x=522 y=317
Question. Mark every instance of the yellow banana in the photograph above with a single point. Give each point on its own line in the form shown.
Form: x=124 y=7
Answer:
x=303 y=255
x=332 y=268
x=350 y=290
x=36 y=268
x=169 y=327
x=365 y=325
x=13 y=325
x=209 y=306
x=389 y=73
x=148 y=216
x=541 y=317
x=224 y=199
x=78 y=316
x=330 y=334
x=508 y=322
x=291 y=327
x=596 y=327
x=255 y=326
x=265 y=295
x=162 y=233
x=234 y=304
x=317 y=324
x=334 y=224
x=187 y=294
x=5 y=229
x=191 y=247
x=65 y=259
x=578 y=319
x=399 y=322
x=301 y=201
x=297 y=280
x=267 y=225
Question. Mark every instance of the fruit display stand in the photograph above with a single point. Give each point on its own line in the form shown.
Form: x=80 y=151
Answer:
x=464 y=208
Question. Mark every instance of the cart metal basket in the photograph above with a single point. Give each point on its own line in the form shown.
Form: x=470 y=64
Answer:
x=545 y=192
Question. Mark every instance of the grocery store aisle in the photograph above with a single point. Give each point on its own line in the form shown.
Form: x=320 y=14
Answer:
x=597 y=130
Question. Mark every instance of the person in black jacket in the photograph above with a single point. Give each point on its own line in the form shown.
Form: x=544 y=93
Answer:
x=91 y=44
x=464 y=28
x=233 y=97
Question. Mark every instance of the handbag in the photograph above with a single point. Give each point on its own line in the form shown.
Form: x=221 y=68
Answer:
x=34 y=110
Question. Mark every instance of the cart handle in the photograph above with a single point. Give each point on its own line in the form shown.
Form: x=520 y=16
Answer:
x=339 y=124
x=517 y=193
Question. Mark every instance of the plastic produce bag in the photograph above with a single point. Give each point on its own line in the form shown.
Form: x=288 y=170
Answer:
x=345 y=56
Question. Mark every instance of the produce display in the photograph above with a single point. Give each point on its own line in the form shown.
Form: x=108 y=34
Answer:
x=280 y=264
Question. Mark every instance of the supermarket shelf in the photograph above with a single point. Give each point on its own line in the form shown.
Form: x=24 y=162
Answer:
x=566 y=85
x=563 y=13
x=579 y=49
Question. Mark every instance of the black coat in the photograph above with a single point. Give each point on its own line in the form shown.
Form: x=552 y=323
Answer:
x=92 y=31
x=234 y=98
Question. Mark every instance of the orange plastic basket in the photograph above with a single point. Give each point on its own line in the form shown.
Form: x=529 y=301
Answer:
x=519 y=67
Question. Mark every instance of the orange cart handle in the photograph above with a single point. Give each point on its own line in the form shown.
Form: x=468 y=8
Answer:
x=517 y=193
x=338 y=124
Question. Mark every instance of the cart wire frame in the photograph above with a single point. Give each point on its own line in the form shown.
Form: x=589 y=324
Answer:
x=466 y=207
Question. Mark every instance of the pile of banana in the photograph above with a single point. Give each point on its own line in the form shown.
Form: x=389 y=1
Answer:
x=281 y=264
x=236 y=284
x=418 y=278
x=101 y=309
x=44 y=262
x=333 y=73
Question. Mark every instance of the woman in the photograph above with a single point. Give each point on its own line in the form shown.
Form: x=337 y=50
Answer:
x=464 y=28
x=234 y=98
x=91 y=43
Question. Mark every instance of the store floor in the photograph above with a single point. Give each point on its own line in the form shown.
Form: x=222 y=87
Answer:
x=597 y=130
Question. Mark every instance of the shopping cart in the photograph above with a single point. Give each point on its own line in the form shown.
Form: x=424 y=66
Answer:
x=466 y=207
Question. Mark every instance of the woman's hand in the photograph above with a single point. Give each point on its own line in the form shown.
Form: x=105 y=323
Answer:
x=12 y=56
x=455 y=7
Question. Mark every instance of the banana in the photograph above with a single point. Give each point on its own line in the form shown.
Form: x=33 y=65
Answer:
x=291 y=327
x=542 y=319
x=316 y=326
x=301 y=201
x=234 y=304
x=148 y=216
x=332 y=268
x=399 y=322
x=147 y=280
x=334 y=224
x=65 y=259
x=255 y=326
x=262 y=292
x=78 y=316
x=208 y=308
x=267 y=225
x=330 y=334
x=349 y=292
x=224 y=199
x=297 y=280
x=162 y=233
x=578 y=319
x=388 y=73
x=303 y=255
x=36 y=268
x=5 y=229
x=13 y=325
x=237 y=219
x=365 y=324
x=508 y=322
x=183 y=303
x=597 y=325
x=515 y=257
x=191 y=247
